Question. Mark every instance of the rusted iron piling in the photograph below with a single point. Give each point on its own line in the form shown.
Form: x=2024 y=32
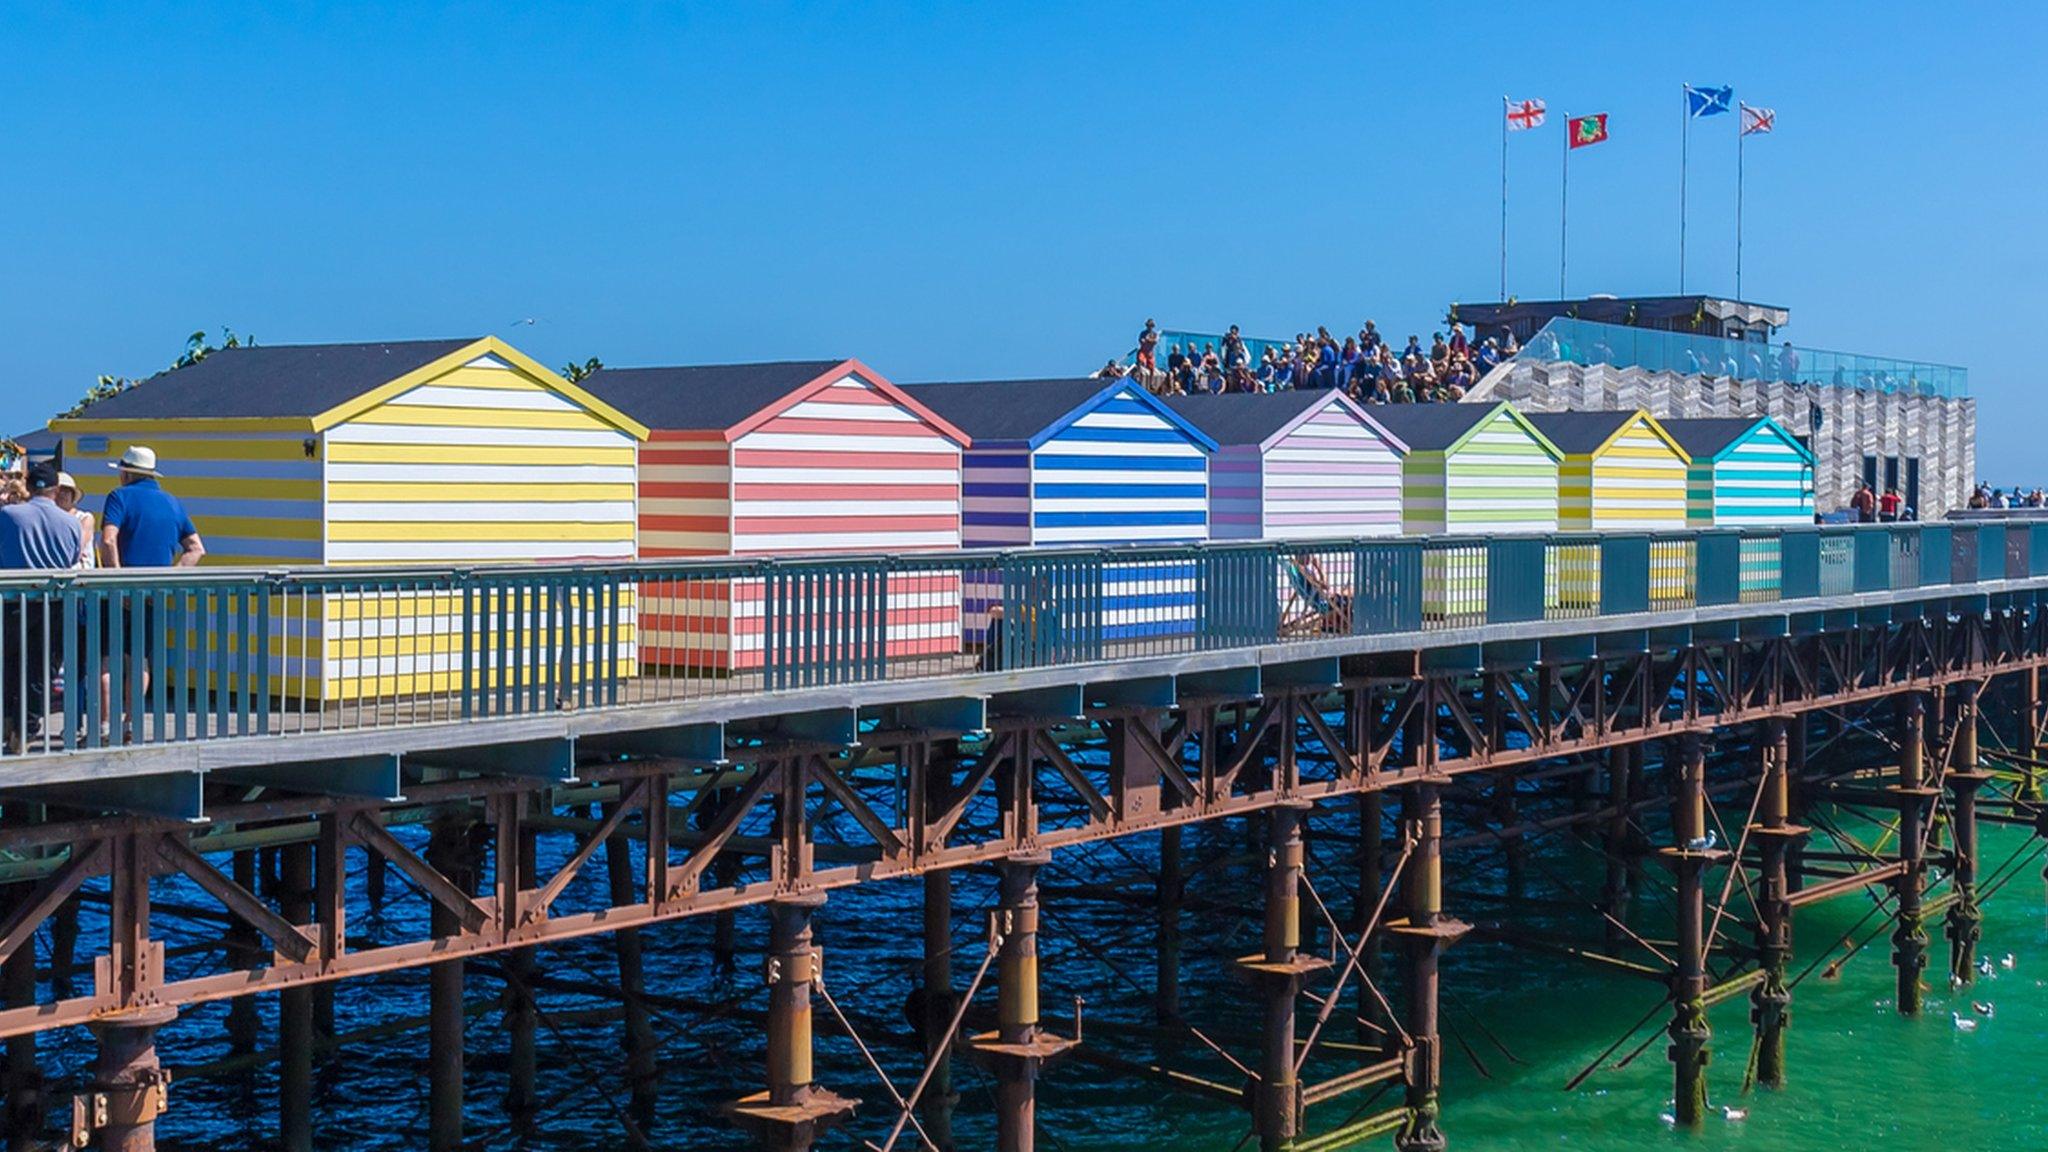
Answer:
x=1425 y=932
x=1689 y=855
x=1019 y=1049
x=1965 y=776
x=795 y=1110
x=1915 y=798
x=1277 y=971
x=1774 y=832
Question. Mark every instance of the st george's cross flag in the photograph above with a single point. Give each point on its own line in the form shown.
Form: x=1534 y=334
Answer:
x=1524 y=115
x=1584 y=130
x=1708 y=101
x=1758 y=120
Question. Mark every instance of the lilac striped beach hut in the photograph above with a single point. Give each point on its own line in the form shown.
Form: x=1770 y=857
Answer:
x=1297 y=465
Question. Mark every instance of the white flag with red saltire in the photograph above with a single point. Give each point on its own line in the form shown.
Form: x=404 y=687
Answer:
x=1757 y=120
x=1524 y=115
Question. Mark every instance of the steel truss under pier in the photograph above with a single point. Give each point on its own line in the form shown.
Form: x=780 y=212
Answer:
x=710 y=817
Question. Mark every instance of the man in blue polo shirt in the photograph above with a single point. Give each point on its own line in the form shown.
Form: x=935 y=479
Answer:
x=144 y=526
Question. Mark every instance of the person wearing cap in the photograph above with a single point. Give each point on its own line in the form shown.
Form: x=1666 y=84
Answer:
x=68 y=497
x=35 y=535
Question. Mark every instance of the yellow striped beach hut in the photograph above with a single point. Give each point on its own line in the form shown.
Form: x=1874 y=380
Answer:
x=1621 y=472
x=456 y=452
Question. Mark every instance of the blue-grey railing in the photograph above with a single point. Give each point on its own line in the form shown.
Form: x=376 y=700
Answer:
x=101 y=659
x=1625 y=346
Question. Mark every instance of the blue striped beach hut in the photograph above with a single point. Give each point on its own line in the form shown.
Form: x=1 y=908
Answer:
x=1747 y=471
x=1064 y=462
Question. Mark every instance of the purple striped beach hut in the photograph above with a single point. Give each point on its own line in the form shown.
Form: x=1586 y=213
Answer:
x=1297 y=465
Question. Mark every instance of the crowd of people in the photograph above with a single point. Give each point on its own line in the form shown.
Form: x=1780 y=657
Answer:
x=1985 y=496
x=44 y=528
x=1366 y=366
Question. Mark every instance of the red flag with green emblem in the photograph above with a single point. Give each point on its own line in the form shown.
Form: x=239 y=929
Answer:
x=1584 y=130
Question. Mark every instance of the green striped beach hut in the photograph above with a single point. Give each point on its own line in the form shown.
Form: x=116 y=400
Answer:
x=1747 y=472
x=1471 y=469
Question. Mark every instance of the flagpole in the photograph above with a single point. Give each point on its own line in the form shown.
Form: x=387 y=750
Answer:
x=1684 y=143
x=1503 y=199
x=1739 y=134
x=1564 y=190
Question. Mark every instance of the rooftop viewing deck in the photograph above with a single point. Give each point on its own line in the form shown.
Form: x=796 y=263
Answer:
x=1625 y=346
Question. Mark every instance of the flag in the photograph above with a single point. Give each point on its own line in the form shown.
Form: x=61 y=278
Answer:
x=1524 y=115
x=1584 y=130
x=1707 y=101
x=1758 y=120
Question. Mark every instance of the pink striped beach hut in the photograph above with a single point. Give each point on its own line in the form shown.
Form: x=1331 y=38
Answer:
x=1297 y=465
x=790 y=458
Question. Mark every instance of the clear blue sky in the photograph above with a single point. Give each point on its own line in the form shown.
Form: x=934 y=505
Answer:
x=982 y=191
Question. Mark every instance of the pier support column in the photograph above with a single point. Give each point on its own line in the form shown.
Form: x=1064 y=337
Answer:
x=129 y=1087
x=1277 y=971
x=642 y=1068
x=1172 y=888
x=1796 y=735
x=1690 y=1034
x=522 y=1015
x=448 y=852
x=1909 y=936
x=1771 y=1003
x=1622 y=774
x=1018 y=1050
x=1426 y=932
x=1373 y=1025
x=2030 y=734
x=794 y=1111
x=936 y=1011
x=244 y=951
x=21 y=1112
x=1965 y=777
x=295 y=1009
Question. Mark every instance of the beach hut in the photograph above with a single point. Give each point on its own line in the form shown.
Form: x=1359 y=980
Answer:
x=1064 y=462
x=1621 y=470
x=787 y=458
x=1471 y=469
x=1746 y=472
x=439 y=451
x=1297 y=465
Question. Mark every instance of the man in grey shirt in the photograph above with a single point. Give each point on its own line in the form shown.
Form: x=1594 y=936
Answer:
x=35 y=535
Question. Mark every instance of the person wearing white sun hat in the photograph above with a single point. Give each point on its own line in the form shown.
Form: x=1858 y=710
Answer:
x=141 y=526
x=68 y=497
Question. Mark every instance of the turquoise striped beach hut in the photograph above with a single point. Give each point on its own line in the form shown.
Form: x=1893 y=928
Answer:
x=1064 y=462
x=1747 y=471
x=1297 y=465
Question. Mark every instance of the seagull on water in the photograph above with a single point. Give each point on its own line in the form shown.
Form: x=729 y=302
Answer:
x=2006 y=961
x=1984 y=966
x=1701 y=843
x=1963 y=1025
x=1984 y=1008
x=1729 y=1112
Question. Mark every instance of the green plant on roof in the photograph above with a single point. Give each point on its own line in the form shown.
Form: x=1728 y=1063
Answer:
x=575 y=373
x=197 y=348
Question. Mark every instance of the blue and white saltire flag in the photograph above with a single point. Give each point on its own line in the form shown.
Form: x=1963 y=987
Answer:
x=1708 y=101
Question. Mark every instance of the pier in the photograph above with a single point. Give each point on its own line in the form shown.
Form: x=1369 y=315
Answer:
x=1695 y=701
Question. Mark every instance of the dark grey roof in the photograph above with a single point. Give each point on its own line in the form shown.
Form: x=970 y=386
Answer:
x=271 y=381
x=1007 y=409
x=1578 y=433
x=1706 y=435
x=1430 y=427
x=1246 y=417
x=701 y=397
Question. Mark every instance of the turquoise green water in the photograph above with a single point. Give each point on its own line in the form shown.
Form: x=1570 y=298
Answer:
x=1860 y=1074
